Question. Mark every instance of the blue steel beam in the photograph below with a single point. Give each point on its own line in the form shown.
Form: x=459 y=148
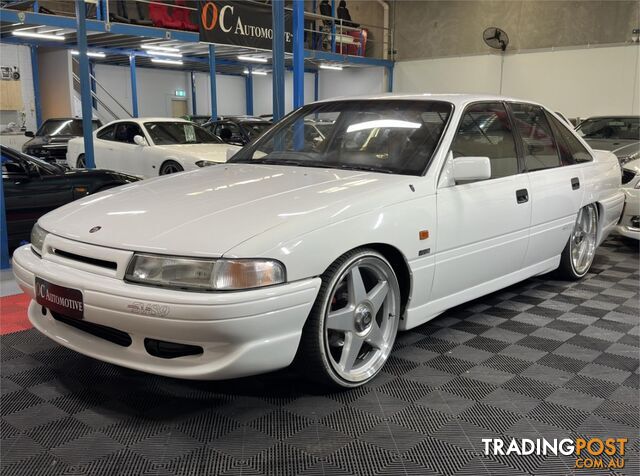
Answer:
x=134 y=85
x=213 y=90
x=35 y=74
x=85 y=85
x=248 y=83
x=194 y=103
x=277 y=9
x=333 y=26
x=298 y=53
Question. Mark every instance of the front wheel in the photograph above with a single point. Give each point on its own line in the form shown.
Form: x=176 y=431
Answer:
x=353 y=324
x=170 y=167
x=578 y=254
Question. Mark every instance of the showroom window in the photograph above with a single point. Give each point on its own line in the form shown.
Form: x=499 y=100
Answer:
x=540 y=151
x=485 y=131
x=107 y=133
x=571 y=150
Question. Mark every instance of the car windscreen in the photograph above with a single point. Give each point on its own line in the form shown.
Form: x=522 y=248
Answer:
x=255 y=129
x=28 y=162
x=621 y=128
x=392 y=136
x=171 y=133
x=63 y=127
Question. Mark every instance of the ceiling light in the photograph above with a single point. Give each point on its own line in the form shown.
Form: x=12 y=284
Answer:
x=254 y=59
x=40 y=36
x=160 y=48
x=331 y=66
x=163 y=53
x=91 y=54
x=166 y=61
x=256 y=73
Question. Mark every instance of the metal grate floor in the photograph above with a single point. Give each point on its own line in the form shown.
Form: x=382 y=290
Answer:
x=540 y=359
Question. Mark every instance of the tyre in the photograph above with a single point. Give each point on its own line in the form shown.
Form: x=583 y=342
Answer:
x=170 y=167
x=81 y=163
x=353 y=323
x=580 y=250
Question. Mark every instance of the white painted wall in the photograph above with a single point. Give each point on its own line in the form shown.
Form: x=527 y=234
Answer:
x=351 y=82
x=20 y=56
x=578 y=82
x=263 y=92
x=230 y=94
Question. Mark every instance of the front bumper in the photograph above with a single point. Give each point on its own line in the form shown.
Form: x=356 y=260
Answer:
x=628 y=225
x=241 y=333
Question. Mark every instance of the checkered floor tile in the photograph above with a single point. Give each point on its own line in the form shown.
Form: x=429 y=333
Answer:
x=541 y=359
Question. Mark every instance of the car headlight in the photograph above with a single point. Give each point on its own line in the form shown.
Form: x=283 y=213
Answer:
x=37 y=238
x=202 y=274
x=204 y=163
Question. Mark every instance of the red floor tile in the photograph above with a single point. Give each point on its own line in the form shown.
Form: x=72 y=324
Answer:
x=13 y=314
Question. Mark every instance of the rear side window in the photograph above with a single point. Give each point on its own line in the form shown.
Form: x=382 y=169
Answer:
x=485 y=131
x=106 y=133
x=540 y=150
x=571 y=149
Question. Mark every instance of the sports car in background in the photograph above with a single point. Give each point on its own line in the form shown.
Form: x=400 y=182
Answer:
x=148 y=147
x=238 y=130
x=50 y=141
x=33 y=187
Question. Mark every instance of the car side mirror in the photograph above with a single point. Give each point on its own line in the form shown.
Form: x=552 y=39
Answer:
x=471 y=169
x=29 y=134
x=139 y=140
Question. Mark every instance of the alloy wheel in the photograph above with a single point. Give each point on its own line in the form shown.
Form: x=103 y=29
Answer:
x=583 y=240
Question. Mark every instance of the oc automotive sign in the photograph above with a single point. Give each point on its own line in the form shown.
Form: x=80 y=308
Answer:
x=242 y=24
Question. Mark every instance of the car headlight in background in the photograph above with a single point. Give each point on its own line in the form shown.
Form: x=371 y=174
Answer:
x=202 y=274
x=204 y=163
x=37 y=238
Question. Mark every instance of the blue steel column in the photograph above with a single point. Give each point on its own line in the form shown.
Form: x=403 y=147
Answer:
x=92 y=72
x=333 y=26
x=35 y=74
x=85 y=85
x=4 y=237
x=298 y=53
x=134 y=85
x=194 y=104
x=248 y=84
x=212 y=82
x=277 y=8
x=316 y=80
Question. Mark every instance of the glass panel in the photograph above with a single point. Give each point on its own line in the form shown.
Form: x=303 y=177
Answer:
x=540 y=151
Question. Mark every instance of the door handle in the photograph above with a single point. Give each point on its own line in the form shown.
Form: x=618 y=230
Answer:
x=575 y=183
x=522 y=195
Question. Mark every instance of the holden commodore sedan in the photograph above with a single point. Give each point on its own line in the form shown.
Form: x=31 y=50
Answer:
x=148 y=147
x=317 y=252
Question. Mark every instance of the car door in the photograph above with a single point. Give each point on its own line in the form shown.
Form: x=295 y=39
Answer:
x=129 y=157
x=556 y=183
x=103 y=147
x=29 y=194
x=483 y=226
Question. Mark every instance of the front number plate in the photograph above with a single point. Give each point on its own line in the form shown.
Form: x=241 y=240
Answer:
x=66 y=301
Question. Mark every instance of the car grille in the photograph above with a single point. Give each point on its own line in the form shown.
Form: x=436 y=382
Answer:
x=627 y=176
x=110 y=334
x=85 y=259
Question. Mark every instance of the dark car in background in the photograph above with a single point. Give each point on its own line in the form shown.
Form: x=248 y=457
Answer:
x=50 y=141
x=618 y=134
x=33 y=187
x=238 y=130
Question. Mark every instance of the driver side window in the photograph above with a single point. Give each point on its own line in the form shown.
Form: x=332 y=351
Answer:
x=13 y=166
x=485 y=131
x=126 y=131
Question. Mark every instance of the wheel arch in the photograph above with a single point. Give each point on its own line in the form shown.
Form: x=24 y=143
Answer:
x=169 y=159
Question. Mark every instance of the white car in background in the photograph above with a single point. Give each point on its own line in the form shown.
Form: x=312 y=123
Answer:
x=148 y=147
x=629 y=157
x=318 y=251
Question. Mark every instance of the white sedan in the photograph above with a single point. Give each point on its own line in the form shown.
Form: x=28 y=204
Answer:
x=148 y=147
x=318 y=252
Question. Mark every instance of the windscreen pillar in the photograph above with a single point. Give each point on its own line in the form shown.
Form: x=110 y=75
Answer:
x=85 y=85
x=277 y=8
x=213 y=95
x=298 y=53
x=134 y=85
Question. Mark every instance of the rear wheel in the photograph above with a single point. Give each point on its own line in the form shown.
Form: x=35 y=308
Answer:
x=170 y=167
x=353 y=324
x=580 y=250
x=81 y=163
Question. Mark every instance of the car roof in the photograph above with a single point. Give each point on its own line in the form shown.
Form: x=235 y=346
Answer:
x=612 y=116
x=141 y=120
x=68 y=119
x=455 y=99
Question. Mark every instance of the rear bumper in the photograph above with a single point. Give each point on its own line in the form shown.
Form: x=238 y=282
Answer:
x=629 y=225
x=240 y=333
